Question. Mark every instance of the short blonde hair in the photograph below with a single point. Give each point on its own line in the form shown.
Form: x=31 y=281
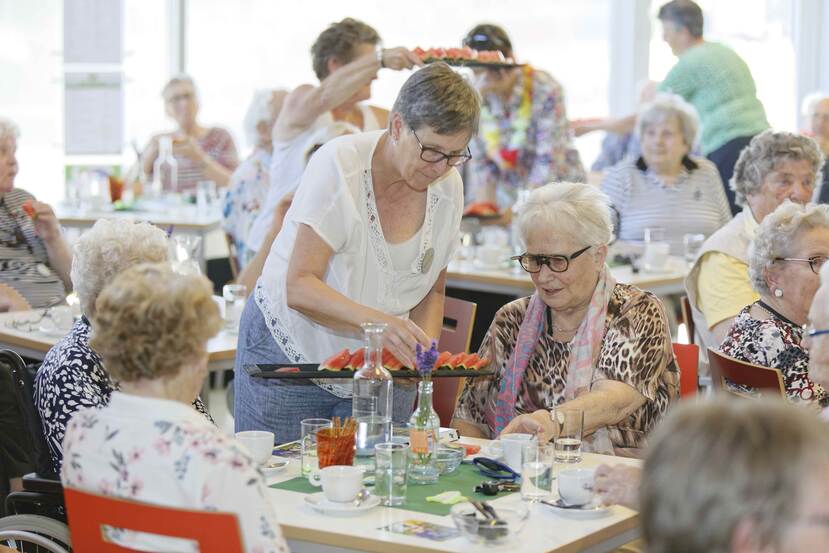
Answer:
x=776 y=234
x=108 y=248
x=580 y=211
x=714 y=464
x=665 y=106
x=150 y=321
x=179 y=79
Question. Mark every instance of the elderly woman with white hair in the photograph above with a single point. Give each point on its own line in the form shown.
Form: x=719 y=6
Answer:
x=784 y=260
x=774 y=167
x=581 y=341
x=666 y=186
x=34 y=257
x=816 y=124
x=73 y=375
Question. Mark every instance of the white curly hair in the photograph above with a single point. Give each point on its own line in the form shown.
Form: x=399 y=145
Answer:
x=777 y=233
x=107 y=249
x=664 y=106
x=576 y=210
x=8 y=129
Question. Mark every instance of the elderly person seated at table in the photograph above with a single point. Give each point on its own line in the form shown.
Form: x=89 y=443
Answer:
x=373 y=225
x=73 y=375
x=346 y=58
x=666 y=187
x=151 y=328
x=34 y=257
x=784 y=259
x=581 y=341
x=774 y=167
x=202 y=153
x=744 y=476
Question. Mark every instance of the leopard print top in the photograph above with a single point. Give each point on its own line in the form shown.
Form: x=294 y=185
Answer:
x=636 y=350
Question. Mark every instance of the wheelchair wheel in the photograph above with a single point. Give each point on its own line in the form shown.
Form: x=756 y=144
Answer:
x=34 y=533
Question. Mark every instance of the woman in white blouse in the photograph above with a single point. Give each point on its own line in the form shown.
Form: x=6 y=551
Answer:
x=148 y=444
x=372 y=227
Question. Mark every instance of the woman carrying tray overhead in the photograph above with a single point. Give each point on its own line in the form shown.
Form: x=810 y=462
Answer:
x=372 y=227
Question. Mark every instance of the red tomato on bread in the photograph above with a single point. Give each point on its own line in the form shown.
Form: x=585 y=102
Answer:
x=29 y=210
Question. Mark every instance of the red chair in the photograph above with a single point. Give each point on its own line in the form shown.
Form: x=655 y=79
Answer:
x=687 y=357
x=767 y=381
x=458 y=320
x=88 y=512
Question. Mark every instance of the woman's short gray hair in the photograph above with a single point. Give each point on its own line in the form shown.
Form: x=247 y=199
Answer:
x=715 y=464
x=809 y=105
x=663 y=107
x=107 y=249
x=258 y=111
x=439 y=98
x=576 y=210
x=765 y=153
x=777 y=233
x=178 y=79
x=8 y=129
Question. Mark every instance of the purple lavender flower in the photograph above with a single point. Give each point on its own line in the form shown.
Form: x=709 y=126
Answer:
x=426 y=359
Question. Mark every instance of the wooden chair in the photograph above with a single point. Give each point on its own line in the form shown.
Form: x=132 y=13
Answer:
x=232 y=256
x=88 y=512
x=688 y=319
x=687 y=357
x=767 y=381
x=458 y=320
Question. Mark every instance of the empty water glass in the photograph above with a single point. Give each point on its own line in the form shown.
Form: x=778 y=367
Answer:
x=205 y=195
x=693 y=244
x=537 y=472
x=391 y=472
x=308 y=442
x=568 y=441
x=657 y=250
x=234 y=295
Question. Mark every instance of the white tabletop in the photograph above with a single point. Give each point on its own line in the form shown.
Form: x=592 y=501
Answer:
x=181 y=217
x=545 y=531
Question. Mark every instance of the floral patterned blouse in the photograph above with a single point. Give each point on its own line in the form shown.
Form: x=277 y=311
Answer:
x=775 y=343
x=548 y=153
x=636 y=350
x=244 y=198
x=72 y=377
x=162 y=452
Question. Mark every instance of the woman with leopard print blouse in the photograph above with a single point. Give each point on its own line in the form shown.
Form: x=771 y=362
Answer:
x=581 y=341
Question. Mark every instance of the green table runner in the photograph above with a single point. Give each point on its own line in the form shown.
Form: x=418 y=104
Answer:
x=463 y=480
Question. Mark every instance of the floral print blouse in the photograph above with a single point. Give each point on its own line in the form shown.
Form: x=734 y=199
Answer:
x=72 y=377
x=244 y=199
x=775 y=343
x=162 y=452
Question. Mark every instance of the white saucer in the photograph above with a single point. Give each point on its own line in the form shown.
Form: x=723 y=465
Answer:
x=590 y=510
x=280 y=464
x=319 y=502
x=53 y=331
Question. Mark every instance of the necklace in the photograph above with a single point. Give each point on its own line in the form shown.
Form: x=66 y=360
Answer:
x=490 y=126
x=555 y=328
x=774 y=313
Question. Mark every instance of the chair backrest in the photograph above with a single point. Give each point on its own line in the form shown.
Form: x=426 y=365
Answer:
x=688 y=319
x=687 y=357
x=765 y=380
x=458 y=320
x=232 y=256
x=22 y=378
x=88 y=512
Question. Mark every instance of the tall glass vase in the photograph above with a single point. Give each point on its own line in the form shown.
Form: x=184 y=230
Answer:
x=424 y=431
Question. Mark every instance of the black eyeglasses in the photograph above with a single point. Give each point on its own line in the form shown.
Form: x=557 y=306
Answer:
x=815 y=262
x=532 y=263
x=811 y=331
x=485 y=41
x=431 y=155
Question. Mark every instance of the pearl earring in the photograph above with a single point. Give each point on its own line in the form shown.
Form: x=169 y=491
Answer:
x=778 y=293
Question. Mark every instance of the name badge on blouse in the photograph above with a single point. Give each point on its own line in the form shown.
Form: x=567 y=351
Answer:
x=426 y=262
x=43 y=270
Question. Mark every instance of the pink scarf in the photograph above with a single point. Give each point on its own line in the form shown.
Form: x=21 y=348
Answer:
x=583 y=355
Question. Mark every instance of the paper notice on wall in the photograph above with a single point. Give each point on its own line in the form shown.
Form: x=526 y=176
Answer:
x=93 y=113
x=93 y=31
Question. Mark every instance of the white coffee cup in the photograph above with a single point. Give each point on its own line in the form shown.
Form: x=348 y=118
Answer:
x=259 y=443
x=575 y=486
x=340 y=483
x=513 y=447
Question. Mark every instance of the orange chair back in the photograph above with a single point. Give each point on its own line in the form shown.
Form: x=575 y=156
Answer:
x=767 y=381
x=688 y=320
x=687 y=357
x=458 y=320
x=88 y=512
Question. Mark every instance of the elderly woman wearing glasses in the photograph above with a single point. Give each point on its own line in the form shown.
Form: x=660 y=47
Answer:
x=582 y=341
x=784 y=259
x=372 y=227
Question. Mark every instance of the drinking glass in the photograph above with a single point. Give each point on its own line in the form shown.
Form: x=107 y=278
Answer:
x=205 y=195
x=568 y=442
x=390 y=475
x=657 y=250
x=693 y=244
x=537 y=472
x=309 y=428
x=234 y=295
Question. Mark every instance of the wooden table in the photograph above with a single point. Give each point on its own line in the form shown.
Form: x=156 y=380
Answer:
x=546 y=531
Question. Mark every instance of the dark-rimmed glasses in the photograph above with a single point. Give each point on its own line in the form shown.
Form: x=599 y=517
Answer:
x=811 y=331
x=532 y=263
x=431 y=155
x=815 y=262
